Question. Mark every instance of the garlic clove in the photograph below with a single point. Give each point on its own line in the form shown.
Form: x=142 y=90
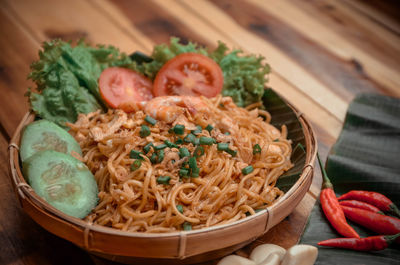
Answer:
x=235 y=260
x=261 y=252
x=272 y=259
x=300 y=255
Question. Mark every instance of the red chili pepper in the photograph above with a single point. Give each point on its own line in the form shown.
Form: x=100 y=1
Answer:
x=331 y=207
x=377 y=199
x=360 y=205
x=361 y=244
x=381 y=224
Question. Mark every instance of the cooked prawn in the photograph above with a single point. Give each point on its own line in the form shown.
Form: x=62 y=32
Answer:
x=170 y=108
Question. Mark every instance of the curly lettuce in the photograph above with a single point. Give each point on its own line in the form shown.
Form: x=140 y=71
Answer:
x=66 y=76
x=244 y=75
x=66 y=79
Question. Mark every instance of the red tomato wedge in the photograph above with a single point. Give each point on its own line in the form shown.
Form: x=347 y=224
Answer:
x=189 y=74
x=121 y=87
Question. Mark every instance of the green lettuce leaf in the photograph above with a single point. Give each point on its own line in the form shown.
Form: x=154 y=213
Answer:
x=66 y=79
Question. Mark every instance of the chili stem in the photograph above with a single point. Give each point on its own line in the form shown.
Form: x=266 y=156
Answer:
x=326 y=183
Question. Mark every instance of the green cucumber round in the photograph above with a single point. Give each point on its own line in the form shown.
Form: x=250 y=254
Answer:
x=63 y=181
x=46 y=135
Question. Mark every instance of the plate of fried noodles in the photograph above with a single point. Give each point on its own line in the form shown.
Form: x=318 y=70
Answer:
x=190 y=160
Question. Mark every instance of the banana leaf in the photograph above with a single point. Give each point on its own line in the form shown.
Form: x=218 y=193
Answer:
x=365 y=157
x=282 y=114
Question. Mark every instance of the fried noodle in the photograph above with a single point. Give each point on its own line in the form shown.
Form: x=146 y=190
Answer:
x=135 y=201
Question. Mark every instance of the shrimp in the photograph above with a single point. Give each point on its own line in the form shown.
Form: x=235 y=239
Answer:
x=170 y=108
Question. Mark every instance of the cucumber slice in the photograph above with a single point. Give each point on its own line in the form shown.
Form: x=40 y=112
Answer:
x=63 y=181
x=46 y=135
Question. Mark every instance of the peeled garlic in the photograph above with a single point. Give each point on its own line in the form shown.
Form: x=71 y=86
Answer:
x=261 y=252
x=272 y=259
x=300 y=255
x=235 y=260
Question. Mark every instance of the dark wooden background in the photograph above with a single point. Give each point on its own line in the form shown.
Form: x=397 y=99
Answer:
x=322 y=54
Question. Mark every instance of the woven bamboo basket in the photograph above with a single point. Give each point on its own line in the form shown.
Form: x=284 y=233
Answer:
x=185 y=247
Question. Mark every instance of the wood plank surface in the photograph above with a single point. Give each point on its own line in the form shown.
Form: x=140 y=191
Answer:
x=322 y=54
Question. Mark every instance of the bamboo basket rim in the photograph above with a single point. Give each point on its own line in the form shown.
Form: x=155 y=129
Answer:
x=25 y=192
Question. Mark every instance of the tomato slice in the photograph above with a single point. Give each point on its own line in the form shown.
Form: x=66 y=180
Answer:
x=121 y=87
x=189 y=74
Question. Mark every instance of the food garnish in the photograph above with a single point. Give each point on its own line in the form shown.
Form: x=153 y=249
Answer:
x=45 y=135
x=189 y=74
x=63 y=181
x=66 y=79
x=121 y=88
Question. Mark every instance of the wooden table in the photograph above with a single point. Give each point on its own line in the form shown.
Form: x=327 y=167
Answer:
x=322 y=53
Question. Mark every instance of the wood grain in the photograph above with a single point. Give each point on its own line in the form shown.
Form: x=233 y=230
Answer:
x=358 y=69
x=384 y=13
x=364 y=39
x=283 y=64
x=14 y=68
x=322 y=54
x=63 y=21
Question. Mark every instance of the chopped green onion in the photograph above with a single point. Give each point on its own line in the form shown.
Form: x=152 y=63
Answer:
x=196 y=141
x=179 y=208
x=150 y=120
x=144 y=131
x=209 y=128
x=256 y=149
x=190 y=138
x=136 y=165
x=199 y=151
x=247 y=170
x=136 y=154
x=195 y=172
x=183 y=152
x=179 y=129
x=187 y=226
x=222 y=146
x=206 y=140
x=192 y=162
x=170 y=144
x=153 y=158
x=147 y=147
x=179 y=141
x=227 y=133
x=160 y=147
x=197 y=130
x=233 y=153
x=160 y=156
x=163 y=180
x=276 y=140
x=183 y=172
